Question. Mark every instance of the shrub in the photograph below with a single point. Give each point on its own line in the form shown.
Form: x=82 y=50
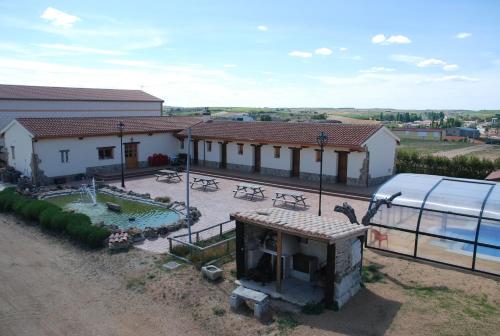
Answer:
x=10 y=200
x=35 y=208
x=97 y=236
x=46 y=217
x=59 y=221
x=19 y=205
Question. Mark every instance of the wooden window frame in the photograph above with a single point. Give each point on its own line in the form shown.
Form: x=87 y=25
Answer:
x=64 y=155
x=318 y=155
x=209 y=146
x=101 y=153
x=181 y=143
x=240 y=148
x=277 y=152
x=13 y=152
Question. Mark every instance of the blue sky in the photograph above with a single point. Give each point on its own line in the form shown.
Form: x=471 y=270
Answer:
x=400 y=54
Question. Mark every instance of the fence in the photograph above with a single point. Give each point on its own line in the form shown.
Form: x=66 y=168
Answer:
x=208 y=248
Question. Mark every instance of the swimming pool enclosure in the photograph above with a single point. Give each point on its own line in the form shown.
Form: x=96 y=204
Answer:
x=447 y=220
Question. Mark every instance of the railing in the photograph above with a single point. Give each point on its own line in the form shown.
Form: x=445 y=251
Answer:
x=208 y=248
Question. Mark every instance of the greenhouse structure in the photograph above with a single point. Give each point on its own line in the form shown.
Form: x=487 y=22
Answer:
x=447 y=220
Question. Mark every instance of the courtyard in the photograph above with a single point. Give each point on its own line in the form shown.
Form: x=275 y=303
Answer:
x=216 y=204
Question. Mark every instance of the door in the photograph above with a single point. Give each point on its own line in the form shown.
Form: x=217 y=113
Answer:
x=195 y=154
x=223 y=155
x=131 y=160
x=295 y=162
x=256 y=164
x=342 y=167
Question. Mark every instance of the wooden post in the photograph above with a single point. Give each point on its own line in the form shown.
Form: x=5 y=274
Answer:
x=330 y=276
x=279 y=247
x=240 y=250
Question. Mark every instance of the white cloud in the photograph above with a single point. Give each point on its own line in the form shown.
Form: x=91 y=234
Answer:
x=431 y=62
x=303 y=54
x=450 y=79
x=463 y=35
x=230 y=65
x=378 y=38
x=58 y=18
x=323 y=51
x=153 y=42
x=394 y=39
x=450 y=67
x=133 y=63
x=343 y=49
x=262 y=28
x=377 y=70
x=78 y=49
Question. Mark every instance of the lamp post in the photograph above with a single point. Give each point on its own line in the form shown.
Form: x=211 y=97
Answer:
x=321 y=139
x=121 y=126
x=188 y=213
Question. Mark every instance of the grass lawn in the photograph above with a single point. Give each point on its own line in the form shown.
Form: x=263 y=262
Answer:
x=431 y=146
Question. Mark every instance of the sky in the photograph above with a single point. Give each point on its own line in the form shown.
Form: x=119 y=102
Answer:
x=364 y=54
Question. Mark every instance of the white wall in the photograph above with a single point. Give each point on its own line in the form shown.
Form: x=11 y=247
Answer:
x=308 y=162
x=284 y=162
x=382 y=148
x=83 y=153
x=355 y=163
x=234 y=158
x=11 y=109
x=20 y=138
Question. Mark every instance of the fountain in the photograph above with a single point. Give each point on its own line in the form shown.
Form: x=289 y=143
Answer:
x=90 y=191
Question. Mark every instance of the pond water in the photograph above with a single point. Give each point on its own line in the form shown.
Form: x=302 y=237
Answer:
x=145 y=215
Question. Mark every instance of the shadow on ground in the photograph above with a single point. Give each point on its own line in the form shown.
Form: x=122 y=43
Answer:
x=365 y=314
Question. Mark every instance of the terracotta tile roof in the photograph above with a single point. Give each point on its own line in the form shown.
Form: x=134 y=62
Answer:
x=494 y=176
x=25 y=92
x=99 y=126
x=301 y=224
x=339 y=135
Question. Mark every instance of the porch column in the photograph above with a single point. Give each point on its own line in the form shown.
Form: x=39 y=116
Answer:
x=278 y=261
x=330 y=276
x=240 y=250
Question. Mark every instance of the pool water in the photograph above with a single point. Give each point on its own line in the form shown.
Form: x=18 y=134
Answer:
x=488 y=234
x=145 y=215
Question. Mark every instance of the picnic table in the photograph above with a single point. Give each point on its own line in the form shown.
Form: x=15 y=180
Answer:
x=251 y=190
x=168 y=175
x=289 y=197
x=204 y=182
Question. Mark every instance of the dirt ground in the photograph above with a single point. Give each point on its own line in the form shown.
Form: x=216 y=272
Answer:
x=481 y=151
x=50 y=287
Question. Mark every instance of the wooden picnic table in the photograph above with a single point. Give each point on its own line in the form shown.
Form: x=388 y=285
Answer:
x=251 y=190
x=289 y=197
x=168 y=175
x=204 y=182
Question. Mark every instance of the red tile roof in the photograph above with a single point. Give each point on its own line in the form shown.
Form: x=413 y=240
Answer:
x=25 y=92
x=85 y=127
x=494 y=176
x=339 y=135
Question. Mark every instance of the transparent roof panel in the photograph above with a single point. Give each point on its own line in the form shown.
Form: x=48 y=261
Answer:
x=492 y=207
x=413 y=187
x=458 y=197
x=450 y=195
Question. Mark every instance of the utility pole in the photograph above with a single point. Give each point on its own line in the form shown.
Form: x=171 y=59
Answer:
x=188 y=216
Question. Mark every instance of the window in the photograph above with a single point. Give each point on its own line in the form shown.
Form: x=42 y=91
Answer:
x=13 y=152
x=240 y=149
x=105 y=153
x=318 y=155
x=209 y=146
x=64 y=155
x=182 y=143
x=277 y=152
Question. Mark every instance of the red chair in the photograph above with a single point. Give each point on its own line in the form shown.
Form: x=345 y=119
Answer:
x=380 y=237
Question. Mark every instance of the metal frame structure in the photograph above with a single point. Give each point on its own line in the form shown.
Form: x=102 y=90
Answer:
x=417 y=232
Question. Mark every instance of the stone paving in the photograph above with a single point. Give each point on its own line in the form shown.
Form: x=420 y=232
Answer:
x=215 y=206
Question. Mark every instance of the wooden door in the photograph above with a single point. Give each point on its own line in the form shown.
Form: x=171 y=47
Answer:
x=342 y=167
x=195 y=154
x=131 y=158
x=256 y=164
x=223 y=155
x=295 y=162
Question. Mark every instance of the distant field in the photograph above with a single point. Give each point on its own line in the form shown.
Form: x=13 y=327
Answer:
x=430 y=146
x=491 y=153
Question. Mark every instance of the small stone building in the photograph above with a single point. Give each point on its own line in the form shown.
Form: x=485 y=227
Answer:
x=298 y=257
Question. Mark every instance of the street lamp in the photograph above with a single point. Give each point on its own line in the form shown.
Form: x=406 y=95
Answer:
x=121 y=126
x=321 y=139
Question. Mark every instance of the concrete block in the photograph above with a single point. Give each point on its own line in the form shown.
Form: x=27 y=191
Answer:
x=261 y=309
x=235 y=301
x=355 y=252
x=211 y=272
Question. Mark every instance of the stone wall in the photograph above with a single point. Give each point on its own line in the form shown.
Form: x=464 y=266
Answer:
x=347 y=270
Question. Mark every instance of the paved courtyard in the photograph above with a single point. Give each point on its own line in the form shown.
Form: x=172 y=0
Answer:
x=215 y=206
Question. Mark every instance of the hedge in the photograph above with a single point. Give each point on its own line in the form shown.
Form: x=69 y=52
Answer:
x=52 y=218
x=462 y=166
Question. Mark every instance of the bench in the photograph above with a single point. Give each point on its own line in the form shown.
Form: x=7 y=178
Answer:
x=260 y=300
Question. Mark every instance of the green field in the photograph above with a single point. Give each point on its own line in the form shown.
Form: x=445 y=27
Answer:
x=431 y=146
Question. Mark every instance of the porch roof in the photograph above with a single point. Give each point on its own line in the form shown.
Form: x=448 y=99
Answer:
x=301 y=224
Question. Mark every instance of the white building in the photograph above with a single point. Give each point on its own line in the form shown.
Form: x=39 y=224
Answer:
x=354 y=154
x=47 y=149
